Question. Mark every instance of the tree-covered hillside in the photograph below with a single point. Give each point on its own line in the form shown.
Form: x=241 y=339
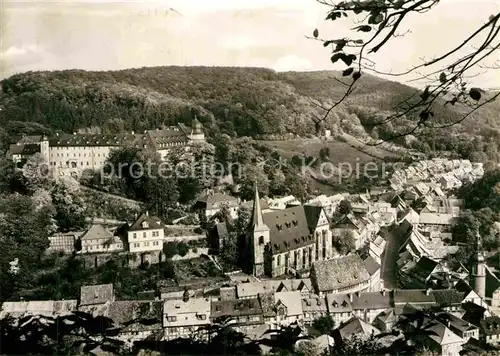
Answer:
x=235 y=101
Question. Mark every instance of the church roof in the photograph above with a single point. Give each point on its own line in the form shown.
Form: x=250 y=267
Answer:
x=288 y=229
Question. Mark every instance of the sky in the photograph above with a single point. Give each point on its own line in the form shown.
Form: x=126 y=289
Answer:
x=103 y=35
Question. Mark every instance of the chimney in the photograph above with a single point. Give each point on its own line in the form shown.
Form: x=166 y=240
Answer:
x=383 y=292
x=428 y=291
x=135 y=216
x=350 y=298
x=357 y=294
x=147 y=213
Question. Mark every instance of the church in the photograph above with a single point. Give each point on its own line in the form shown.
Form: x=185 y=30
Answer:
x=287 y=241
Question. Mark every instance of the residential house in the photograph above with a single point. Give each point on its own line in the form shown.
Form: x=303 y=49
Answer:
x=95 y=299
x=462 y=328
x=339 y=307
x=313 y=308
x=63 y=242
x=99 y=239
x=367 y=305
x=244 y=314
x=138 y=319
x=283 y=202
x=442 y=339
x=345 y=274
x=211 y=203
x=386 y=320
x=418 y=298
x=376 y=248
x=288 y=307
x=49 y=308
x=354 y=326
x=183 y=318
x=349 y=224
x=449 y=300
x=490 y=330
x=253 y=289
x=146 y=234
x=436 y=221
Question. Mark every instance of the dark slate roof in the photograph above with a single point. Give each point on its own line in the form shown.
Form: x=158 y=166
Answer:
x=339 y=273
x=24 y=149
x=96 y=232
x=153 y=223
x=424 y=267
x=288 y=229
x=463 y=287
x=96 y=294
x=414 y=296
x=371 y=300
x=312 y=215
x=473 y=313
x=371 y=265
x=448 y=297
x=235 y=307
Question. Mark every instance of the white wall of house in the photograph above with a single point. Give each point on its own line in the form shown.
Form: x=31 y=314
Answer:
x=145 y=240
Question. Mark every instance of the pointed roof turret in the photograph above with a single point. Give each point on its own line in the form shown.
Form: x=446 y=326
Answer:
x=257 y=220
x=197 y=127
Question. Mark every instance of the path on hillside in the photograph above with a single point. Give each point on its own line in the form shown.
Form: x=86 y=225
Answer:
x=390 y=258
x=110 y=195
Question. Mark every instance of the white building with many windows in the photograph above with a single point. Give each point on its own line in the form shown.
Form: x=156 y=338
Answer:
x=146 y=234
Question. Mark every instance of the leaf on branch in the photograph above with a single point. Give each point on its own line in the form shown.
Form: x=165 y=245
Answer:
x=356 y=76
x=475 y=94
x=333 y=15
x=348 y=59
x=363 y=28
x=345 y=14
x=347 y=72
x=375 y=19
x=358 y=10
x=340 y=45
x=315 y=33
x=442 y=78
x=327 y=43
x=359 y=41
x=336 y=57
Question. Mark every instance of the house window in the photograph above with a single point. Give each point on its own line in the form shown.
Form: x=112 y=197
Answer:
x=279 y=260
x=172 y=318
x=144 y=235
x=134 y=235
x=261 y=240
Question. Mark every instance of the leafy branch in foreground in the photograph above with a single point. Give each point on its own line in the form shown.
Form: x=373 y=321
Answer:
x=446 y=75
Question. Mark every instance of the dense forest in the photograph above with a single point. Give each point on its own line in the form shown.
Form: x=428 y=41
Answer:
x=233 y=101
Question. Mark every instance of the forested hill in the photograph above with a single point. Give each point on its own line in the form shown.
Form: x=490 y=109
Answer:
x=236 y=101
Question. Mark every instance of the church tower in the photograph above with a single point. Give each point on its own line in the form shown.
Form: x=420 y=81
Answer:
x=479 y=269
x=197 y=131
x=259 y=237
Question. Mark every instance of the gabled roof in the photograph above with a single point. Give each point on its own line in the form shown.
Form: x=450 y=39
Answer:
x=235 y=307
x=313 y=214
x=292 y=301
x=371 y=300
x=153 y=222
x=338 y=303
x=216 y=200
x=340 y=272
x=97 y=232
x=357 y=326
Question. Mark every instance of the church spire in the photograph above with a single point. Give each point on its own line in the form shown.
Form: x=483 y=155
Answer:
x=257 y=220
x=479 y=269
